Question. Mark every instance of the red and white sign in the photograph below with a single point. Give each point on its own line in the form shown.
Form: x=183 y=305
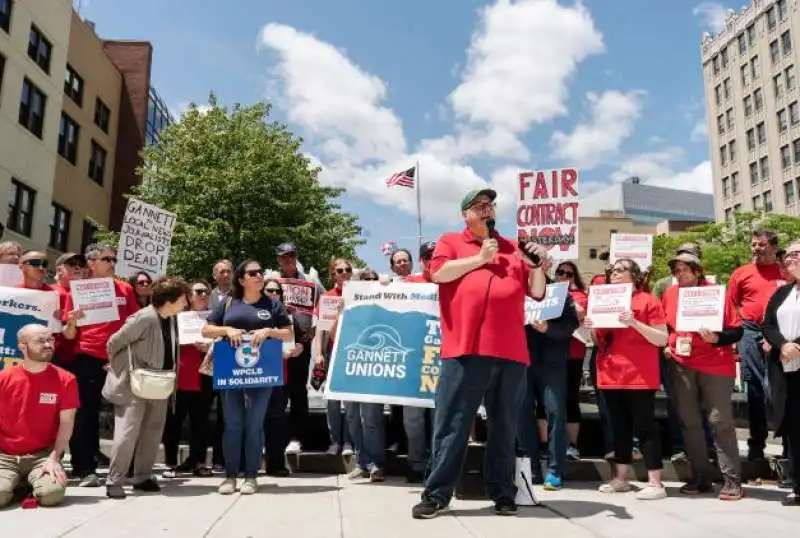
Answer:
x=547 y=210
x=97 y=298
x=328 y=311
x=700 y=308
x=636 y=247
x=299 y=295
x=607 y=302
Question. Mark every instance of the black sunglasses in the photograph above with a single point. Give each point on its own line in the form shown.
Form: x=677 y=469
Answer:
x=369 y=277
x=568 y=274
x=39 y=264
x=342 y=270
x=276 y=291
x=143 y=283
x=201 y=292
x=254 y=273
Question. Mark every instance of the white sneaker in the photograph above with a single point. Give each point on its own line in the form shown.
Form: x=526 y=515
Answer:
x=347 y=450
x=573 y=454
x=651 y=493
x=333 y=450
x=249 y=487
x=615 y=486
x=293 y=448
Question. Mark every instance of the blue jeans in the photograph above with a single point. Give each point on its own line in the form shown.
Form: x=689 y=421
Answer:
x=414 y=424
x=244 y=411
x=366 y=428
x=754 y=374
x=547 y=386
x=337 y=427
x=462 y=384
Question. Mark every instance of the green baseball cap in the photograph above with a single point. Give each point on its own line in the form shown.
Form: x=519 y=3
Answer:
x=468 y=200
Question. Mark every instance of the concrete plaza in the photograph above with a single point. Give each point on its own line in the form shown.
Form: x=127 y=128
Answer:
x=307 y=506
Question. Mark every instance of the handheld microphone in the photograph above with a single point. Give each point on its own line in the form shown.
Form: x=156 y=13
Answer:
x=523 y=243
x=490 y=223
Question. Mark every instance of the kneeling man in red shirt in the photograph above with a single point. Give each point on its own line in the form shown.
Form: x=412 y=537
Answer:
x=37 y=412
x=483 y=280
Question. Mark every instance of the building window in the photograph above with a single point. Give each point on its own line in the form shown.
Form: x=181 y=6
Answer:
x=721 y=124
x=2 y=69
x=751 y=35
x=593 y=253
x=755 y=66
x=726 y=88
x=745 y=75
x=789 y=192
x=753 y=173
x=723 y=57
x=783 y=120
x=774 y=52
x=73 y=86
x=786 y=43
x=761 y=133
x=735 y=183
x=726 y=192
x=5 y=14
x=59 y=227
x=794 y=113
x=31 y=108
x=758 y=100
x=777 y=85
x=737 y=208
x=729 y=119
x=751 y=139
x=715 y=64
x=728 y=214
x=87 y=235
x=786 y=157
x=102 y=115
x=732 y=151
x=756 y=203
x=723 y=156
x=772 y=19
x=748 y=106
x=742 y=39
x=768 y=201
x=68 y=135
x=718 y=94
x=763 y=164
x=39 y=49
x=97 y=163
x=782 y=9
x=21 y=199
x=791 y=78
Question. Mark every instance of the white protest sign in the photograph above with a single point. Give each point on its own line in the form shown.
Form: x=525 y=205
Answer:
x=636 y=247
x=97 y=298
x=607 y=302
x=547 y=210
x=144 y=240
x=700 y=308
x=328 y=311
x=190 y=325
x=10 y=275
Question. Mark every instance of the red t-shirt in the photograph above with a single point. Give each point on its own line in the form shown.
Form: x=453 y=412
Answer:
x=30 y=405
x=625 y=360
x=598 y=280
x=483 y=312
x=577 y=349
x=189 y=360
x=750 y=288
x=92 y=339
x=422 y=278
x=704 y=357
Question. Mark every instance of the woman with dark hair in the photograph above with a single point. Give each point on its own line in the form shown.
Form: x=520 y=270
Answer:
x=628 y=375
x=568 y=272
x=193 y=399
x=148 y=340
x=248 y=314
x=142 y=288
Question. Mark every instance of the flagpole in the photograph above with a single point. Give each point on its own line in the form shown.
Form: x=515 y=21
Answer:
x=419 y=208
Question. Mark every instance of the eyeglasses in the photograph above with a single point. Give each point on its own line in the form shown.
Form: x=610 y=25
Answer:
x=38 y=264
x=275 y=291
x=484 y=206
x=568 y=274
x=143 y=283
x=620 y=270
x=201 y=292
x=370 y=277
x=252 y=273
x=343 y=270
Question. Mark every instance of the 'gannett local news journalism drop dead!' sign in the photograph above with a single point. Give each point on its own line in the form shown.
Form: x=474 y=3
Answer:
x=547 y=210
x=144 y=240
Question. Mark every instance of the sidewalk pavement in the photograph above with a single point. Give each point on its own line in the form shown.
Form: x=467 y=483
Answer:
x=306 y=506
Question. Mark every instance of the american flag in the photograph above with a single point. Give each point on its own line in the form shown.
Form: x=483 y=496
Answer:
x=402 y=179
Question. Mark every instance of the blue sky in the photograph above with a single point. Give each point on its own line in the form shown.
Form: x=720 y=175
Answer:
x=476 y=91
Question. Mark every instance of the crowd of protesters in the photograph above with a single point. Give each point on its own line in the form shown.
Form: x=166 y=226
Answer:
x=46 y=409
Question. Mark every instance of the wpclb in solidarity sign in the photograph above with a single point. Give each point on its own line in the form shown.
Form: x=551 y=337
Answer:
x=547 y=210
x=387 y=347
x=20 y=307
x=144 y=240
x=247 y=366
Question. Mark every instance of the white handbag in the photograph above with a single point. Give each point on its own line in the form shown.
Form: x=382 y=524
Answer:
x=150 y=384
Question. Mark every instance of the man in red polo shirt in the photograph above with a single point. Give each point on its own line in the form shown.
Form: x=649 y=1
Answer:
x=69 y=266
x=749 y=289
x=91 y=362
x=483 y=282
x=37 y=412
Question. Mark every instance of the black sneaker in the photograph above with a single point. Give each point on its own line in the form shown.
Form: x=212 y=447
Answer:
x=505 y=507
x=115 y=492
x=427 y=509
x=697 y=486
x=415 y=477
x=148 y=486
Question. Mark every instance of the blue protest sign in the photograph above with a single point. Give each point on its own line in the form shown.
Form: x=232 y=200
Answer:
x=387 y=346
x=20 y=307
x=246 y=366
x=550 y=307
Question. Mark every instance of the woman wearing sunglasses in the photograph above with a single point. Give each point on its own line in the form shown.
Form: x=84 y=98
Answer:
x=142 y=287
x=568 y=272
x=628 y=374
x=248 y=311
x=193 y=399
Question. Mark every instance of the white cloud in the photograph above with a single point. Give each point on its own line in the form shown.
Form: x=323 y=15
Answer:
x=713 y=15
x=667 y=169
x=611 y=121
x=183 y=108
x=700 y=131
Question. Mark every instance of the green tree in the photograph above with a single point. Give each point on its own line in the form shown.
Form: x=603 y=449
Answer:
x=240 y=186
x=725 y=245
